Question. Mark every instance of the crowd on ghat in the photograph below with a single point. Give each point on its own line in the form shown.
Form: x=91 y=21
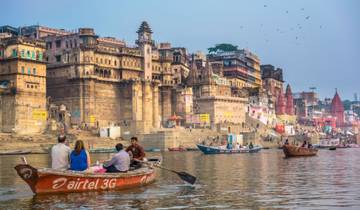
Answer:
x=78 y=159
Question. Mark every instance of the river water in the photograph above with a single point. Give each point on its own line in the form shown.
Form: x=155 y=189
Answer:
x=265 y=180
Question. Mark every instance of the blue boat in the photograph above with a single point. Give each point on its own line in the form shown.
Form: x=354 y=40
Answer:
x=208 y=150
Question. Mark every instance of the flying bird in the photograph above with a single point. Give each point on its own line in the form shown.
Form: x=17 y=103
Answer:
x=307 y=17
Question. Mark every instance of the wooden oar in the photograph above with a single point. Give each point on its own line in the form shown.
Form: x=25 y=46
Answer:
x=183 y=175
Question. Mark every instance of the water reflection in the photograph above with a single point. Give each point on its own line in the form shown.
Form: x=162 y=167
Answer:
x=262 y=181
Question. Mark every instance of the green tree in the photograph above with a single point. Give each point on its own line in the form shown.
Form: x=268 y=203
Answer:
x=223 y=47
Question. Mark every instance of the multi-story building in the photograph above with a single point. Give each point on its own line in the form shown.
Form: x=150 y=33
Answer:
x=23 y=85
x=213 y=97
x=272 y=80
x=240 y=67
x=103 y=81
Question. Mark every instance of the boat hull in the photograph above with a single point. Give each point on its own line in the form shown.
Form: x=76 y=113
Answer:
x=177 y=149
x=213 y=150
x=54 y=181
x=294 y=151
x=16 y=152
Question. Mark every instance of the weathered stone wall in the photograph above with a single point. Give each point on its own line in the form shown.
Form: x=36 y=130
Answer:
x=223 y=109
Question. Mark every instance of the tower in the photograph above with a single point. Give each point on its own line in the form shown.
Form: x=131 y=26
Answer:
x=337 y=109
x=145 y=43
x=280 y=104
x=289 y=101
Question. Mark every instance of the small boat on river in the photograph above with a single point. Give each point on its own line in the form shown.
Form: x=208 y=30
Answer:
x=177 y=149
x=295 y=151
x=103 y=150
x=16 y=152
x=208 y=150
x=46 y=180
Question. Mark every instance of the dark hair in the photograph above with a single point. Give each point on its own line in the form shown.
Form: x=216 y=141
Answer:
x=61 y=138
x=119 y=147
x=79 y=145
x=134 y=138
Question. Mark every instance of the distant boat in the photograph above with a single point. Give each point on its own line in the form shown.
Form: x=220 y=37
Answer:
x=103 y=150
x=328 y=143
x=295 y=151
x=208 y=150
x=177 y=149
x=16 y=152
x=152 y=150
x=192 y=149
x=332 y=148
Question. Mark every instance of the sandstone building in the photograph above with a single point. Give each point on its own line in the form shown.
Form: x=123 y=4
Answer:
x=103 y=81
x=22 y=85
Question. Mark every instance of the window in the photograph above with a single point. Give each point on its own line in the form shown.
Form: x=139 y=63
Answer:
x=0 y=53
x=71 y=45
x=34 y=71
x=115 y=63
x=33 y=55
x=23 y=70
x=22 y=53
x=58 y=43
x=28 y=54
x=49 y=45
x=58 y=58
x=40 y=56
x=29 y=70
x=66 y=44
x=14 y=53
x=75 y=43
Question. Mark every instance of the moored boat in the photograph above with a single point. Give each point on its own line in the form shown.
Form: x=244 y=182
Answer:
x=103 y=150
x=177 y=149
x=47 y=180
x=16 y=152
x=208 y=150
x=192 y=149
x=295 y=151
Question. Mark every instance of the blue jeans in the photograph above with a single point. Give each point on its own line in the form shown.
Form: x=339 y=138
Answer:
x=113 y=169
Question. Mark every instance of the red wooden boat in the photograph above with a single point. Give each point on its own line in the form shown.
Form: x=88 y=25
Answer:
x=294 y=151
x=47 y=180
x=177 y=149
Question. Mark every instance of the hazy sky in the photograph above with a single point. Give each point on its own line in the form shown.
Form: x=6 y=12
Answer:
x=316 y=42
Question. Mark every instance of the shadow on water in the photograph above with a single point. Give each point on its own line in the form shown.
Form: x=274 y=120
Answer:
x=265 y=180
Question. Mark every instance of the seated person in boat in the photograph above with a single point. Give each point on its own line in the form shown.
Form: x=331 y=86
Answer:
x=120 y=162
x=309 y=145
x=304 y=144
x=136 y=151
x=286 y=142
x=251 y=145
x=79 y=157
x=60 y=154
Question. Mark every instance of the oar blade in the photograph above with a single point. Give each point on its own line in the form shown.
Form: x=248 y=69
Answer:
x=187 y=177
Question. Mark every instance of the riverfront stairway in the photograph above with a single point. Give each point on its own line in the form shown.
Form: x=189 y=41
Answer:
x=175 y=137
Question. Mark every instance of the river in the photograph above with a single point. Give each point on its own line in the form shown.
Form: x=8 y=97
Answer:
x=265 y=180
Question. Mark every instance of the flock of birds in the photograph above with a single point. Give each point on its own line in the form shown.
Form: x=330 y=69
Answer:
x=298 y=27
